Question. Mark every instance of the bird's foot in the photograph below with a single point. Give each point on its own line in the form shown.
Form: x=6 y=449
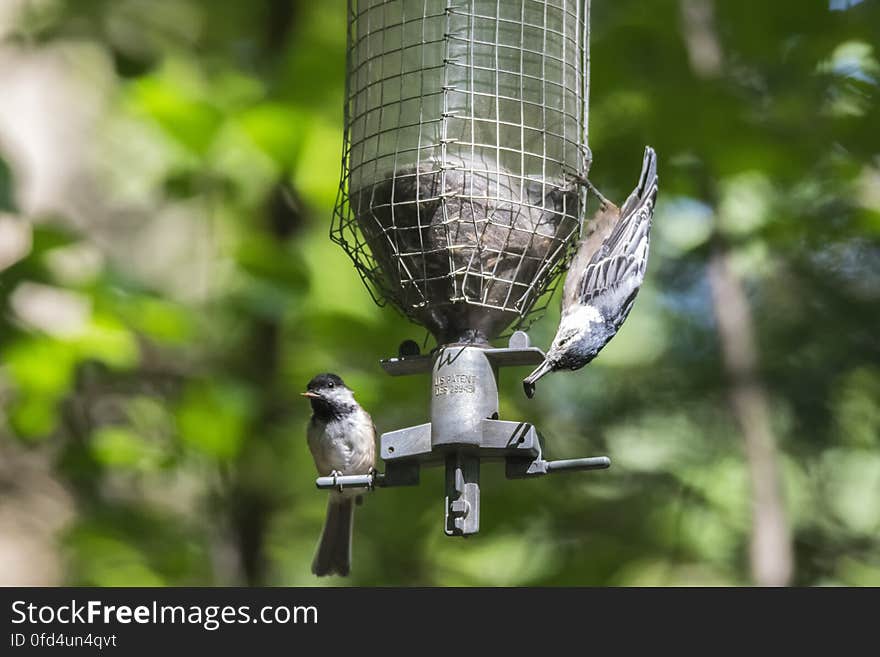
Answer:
x=599 y=195
x=335 y=474
x=580 y=179
x=529 y=389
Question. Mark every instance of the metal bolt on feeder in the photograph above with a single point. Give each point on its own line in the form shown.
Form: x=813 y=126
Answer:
x=465 y=131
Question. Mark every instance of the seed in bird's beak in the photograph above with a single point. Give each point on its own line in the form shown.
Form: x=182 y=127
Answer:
x=529 y=382
x=310 y=394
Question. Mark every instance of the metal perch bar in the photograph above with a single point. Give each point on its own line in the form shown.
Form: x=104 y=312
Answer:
x=537 y=468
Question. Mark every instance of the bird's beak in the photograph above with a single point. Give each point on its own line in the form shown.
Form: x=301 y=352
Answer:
x=529 y=382
x=310 y=394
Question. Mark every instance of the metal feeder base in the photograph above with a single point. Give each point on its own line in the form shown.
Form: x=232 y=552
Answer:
x=464 y=430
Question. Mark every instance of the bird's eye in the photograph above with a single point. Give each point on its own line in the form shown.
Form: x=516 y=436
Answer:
x=331 y=384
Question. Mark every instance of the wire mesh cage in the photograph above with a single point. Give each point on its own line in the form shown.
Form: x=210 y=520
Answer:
x=465 y=130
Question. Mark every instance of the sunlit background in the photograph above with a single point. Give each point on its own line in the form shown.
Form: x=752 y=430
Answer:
x=168 y=170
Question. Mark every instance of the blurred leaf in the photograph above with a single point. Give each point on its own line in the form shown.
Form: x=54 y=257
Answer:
x=683 y=224
x=41 y=365
x=857 y=408
x=107 y=340
x=278 y=130
x=859 y=573
x=745 y=203
x=159 y=319
x=656 y=441
x=107 y=561
x=119 y=446
x=852 y=478
x=321 y=154
x=502 y=560
x=663 y=573
x=34 y=416
x=266 y=258
x=130 y=545
x=213 y=418
x=188 y=119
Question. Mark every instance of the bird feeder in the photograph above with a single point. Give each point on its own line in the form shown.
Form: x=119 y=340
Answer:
x=459 y=204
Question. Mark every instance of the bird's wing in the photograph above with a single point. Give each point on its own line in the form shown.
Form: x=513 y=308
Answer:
x=616 y=270
x=599 y=227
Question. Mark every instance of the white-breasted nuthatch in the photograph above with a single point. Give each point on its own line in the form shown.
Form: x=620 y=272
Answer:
x=342 y=439
x=604 y=277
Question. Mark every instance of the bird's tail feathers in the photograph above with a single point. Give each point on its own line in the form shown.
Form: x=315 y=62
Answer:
x=630 y=233
x=333 y=556
x=647 y=187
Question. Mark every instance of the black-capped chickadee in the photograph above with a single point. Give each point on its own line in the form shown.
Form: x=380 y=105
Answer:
x=342 y=440
x=604 y=277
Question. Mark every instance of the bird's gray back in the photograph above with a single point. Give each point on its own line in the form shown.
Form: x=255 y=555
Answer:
x=616 y=270
x=598 y=230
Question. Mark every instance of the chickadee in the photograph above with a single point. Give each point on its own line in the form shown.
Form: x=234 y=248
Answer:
x=342 y=440
x=604 y=277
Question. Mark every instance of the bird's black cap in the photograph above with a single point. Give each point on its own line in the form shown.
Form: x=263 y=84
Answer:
x=328 y=380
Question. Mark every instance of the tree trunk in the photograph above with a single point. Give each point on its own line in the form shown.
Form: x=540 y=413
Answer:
x=770 y=551
x=772 y=560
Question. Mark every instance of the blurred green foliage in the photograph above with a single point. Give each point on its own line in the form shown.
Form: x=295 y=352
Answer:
x=170 y=411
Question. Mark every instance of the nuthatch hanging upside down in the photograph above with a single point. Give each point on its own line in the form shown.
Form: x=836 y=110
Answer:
x=342 y=440
x=604 y=277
